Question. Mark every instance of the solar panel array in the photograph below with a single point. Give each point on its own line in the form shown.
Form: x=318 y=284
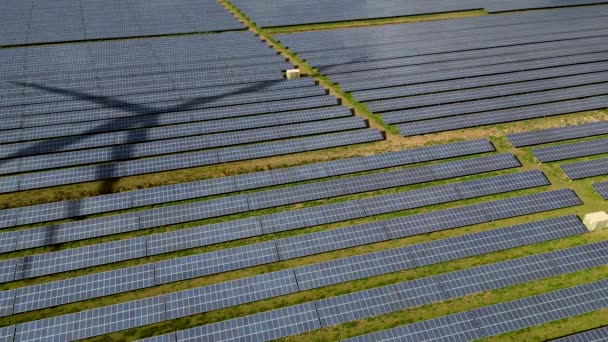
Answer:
x=147 y=275
x=367 y=303
x=571 y=150
x=558 y=134
x=504 y=317
x=155 y=309
x=83 y=229
x=451 y=74
x=32 y=21
x=285 y=13
x=224 y=185
x=207 y=99
x=89 y=107
x=585 y=169
x=83 y=257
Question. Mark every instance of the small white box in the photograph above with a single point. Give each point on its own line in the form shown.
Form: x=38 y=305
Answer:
x=292 y=73
x=596 y=221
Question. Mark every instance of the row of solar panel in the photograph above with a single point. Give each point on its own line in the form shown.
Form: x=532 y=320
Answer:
x=72 y=141
x=54 y=262
x=502 y=116
x=126 y=279
x=420 y=53
x=157 y=101
x=223 y=185
x=110 y=119
x=101 y=82
x=423 y=27
x=23 y=90
x=219 y=142
x=283 y=282
x=585 y=169
x=503 y=317
x=543 y=86
x=484 y=70
x=270 y=14
x=31 y=22
x=400 y=296
x=493 y=104
x=416 y=65
x=184 y=160
x=83 y=229
x=137 y=57
x=601 y=189
x=558 y=134
x=480 y=81
x=571 y=150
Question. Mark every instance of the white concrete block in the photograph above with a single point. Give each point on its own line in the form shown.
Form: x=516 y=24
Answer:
x=596 y=221
x=292 y=73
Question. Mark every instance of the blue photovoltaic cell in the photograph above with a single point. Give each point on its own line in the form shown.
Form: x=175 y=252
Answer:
x=7 y=333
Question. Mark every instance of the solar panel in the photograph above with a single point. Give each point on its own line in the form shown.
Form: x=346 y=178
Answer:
x=262 y=326
x=7 y=270
x=377 y=301
x=76 y=258
x=191 y=159
x=485 y=92
x=430 y=76
x=483 y=105
x=584 y=169
x=309 y=217
x=503 y=317
x=478 y=213
x=282 y=221
x=572 y=150
x=351 y=268
x=215 y=262
x=73 y=231
x=94 y=322
x=7 y=333
x=72 y=290
x=480 y=81
x=601 y=189
x=501 y=116
x=202 y=236
x=398 y=259
x=558 y=134
x=546 y=307
x=217 y=296
x=314 y=243
x=7 y=300
x=193 y=211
